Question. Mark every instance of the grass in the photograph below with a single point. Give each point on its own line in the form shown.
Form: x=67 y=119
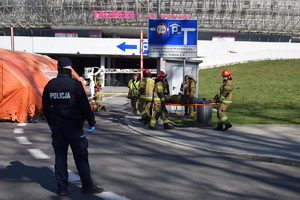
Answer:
x=265 y=92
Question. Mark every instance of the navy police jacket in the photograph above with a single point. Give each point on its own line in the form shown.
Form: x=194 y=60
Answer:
x=64 y=100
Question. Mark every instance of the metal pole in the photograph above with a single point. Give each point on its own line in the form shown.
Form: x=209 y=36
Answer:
x=183 y=89
x=158 y=9
x=142 y=54
x=12 y=37
x=158 y=63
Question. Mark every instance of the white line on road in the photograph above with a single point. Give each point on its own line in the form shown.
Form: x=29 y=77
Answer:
x=105 y=98
x=22 y=124
x=104 y=195
x=72 y=175
x=38 y=154
x=18 y=131
x=23 y=140
x=110 y=196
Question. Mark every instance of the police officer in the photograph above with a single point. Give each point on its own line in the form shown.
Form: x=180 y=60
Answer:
x=225 y=99
x=66 y=107
x=160 y=97
x=146 y=96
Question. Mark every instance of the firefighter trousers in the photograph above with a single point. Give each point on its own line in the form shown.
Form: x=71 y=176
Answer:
x=144 y=108
x=159 y=111
x=134 y=101
x=222 y=118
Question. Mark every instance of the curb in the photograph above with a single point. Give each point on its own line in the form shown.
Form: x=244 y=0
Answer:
x=263 y=158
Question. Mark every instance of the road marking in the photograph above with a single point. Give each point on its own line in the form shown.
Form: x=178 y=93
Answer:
x=104 y=195
x=38 y=154
x=22 y=124
x=23 y=140
x=18 y=131
x=110 y=196
x=113 y=96
x=72 y=176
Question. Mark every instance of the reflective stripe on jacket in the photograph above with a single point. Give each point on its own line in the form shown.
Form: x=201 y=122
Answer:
x=226 y=92
x=146 y=89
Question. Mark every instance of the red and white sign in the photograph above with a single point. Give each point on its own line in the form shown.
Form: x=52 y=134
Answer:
x=161 y=29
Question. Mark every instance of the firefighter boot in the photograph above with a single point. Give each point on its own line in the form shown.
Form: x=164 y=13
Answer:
x=146 y=120
x=152 y=127
x=219 y=127
x=227 y=125
x=103 y=108
x=168 y=126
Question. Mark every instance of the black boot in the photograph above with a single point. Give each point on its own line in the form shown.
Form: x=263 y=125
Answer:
x=168 y=126
x=146 y=120
x=152 y=127
x=219 y=127
x=103 y=108
x=227 y=126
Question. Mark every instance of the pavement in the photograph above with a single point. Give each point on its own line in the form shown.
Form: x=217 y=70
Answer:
x=279 y=144
x=115 y=90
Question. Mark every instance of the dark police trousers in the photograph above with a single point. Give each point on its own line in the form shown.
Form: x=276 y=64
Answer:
x=63 y=136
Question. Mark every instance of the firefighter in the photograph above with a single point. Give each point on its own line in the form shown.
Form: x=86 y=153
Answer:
x=225 y=100
x=66 y=107
x=99 y=80
x=183 y=88
x=160 y=97
x=146 y=96
x=133 y=93
x=191 y=92
x=97 y=104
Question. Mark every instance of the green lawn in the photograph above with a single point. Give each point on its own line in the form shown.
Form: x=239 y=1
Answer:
x=265 y=92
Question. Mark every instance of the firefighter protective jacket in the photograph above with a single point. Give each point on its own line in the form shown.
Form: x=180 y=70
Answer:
x=133 y=88
x=191 y=88
x=64 y=99
x=146 y=89
x=160 y=91
x=97 y=97
x=226 y=92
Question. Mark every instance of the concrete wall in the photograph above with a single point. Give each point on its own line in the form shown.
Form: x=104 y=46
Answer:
x=216 y=54
x=213 y=53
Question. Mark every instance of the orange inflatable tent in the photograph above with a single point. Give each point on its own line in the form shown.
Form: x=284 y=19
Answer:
x=23 y=77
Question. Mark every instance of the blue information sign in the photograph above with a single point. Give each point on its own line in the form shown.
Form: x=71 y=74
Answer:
x=172 y=32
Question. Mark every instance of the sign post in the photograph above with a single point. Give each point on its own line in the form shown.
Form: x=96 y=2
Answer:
x=173 y=39
x=142 y=55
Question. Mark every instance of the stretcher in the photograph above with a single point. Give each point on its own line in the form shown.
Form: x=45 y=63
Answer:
x=203 y=104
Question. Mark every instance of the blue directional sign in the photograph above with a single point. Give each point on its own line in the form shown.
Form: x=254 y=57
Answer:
x=123 y=46
x=172 y=32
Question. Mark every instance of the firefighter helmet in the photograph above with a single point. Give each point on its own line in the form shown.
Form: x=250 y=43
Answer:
x=191 y=76
x=146 y=71
x=161 y=75
x=226 y=72
x=97 y=88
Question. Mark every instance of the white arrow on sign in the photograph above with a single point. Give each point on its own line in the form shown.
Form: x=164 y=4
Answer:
x=185 y=30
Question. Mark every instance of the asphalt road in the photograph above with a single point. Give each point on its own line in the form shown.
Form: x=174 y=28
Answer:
x=136 y=167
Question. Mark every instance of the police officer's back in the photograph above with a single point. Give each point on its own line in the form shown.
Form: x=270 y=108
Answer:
x=66 y=107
